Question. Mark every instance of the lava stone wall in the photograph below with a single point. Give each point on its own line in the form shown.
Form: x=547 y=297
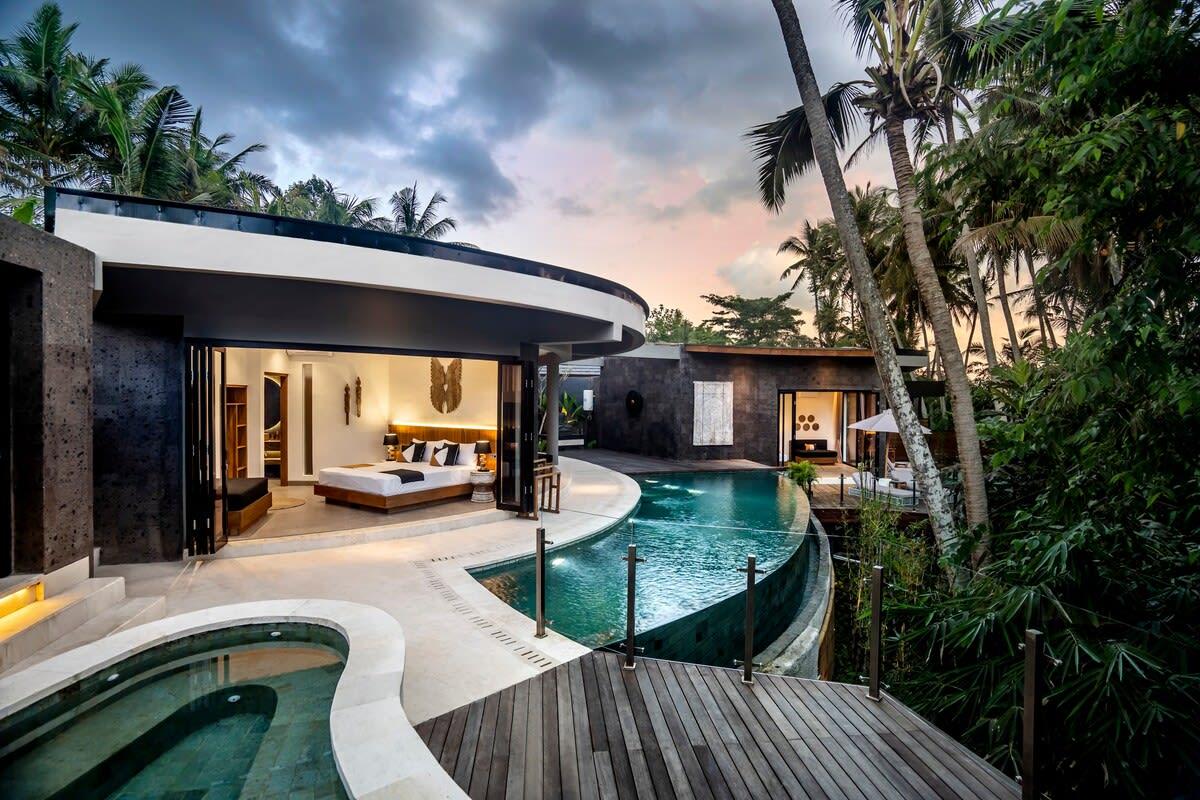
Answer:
x=48 y=288
x=138 y=474
x=664 y=428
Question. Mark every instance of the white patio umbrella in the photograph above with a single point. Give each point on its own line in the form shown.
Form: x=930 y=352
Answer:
x=884 y=422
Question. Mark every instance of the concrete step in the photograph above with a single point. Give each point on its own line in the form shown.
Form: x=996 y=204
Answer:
x=126 y=614
x=27 y=630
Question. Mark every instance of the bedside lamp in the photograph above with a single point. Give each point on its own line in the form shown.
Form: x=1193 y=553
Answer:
x=391 y=441
x=482 y=448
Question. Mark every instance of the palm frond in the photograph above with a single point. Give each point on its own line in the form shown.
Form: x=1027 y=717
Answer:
x=783 y=147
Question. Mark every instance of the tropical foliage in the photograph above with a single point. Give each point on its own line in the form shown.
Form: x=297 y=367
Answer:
x=757 y=321
x=1074 y=158
x=671 y=325
x=67 y=119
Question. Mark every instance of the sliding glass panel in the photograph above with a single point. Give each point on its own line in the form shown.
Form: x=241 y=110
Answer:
x=786 y=421
x=203 y=420
x=508 y=457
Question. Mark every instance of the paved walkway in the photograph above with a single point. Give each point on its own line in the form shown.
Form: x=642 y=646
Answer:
x=463 y=642
x=634 y=464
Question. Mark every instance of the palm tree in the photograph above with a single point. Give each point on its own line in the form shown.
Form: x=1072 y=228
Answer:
x=210 y=175
x=46 y=131
x=906 y=86
x=409 y=219
x=822 y=145
x=317 y=199
x=143 y=136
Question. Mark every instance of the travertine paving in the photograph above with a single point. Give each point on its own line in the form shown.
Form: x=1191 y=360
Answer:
x=463 y=642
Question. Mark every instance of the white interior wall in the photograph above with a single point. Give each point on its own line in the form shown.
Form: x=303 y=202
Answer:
x=394 y=389
x=409 y=378
x=823 y=406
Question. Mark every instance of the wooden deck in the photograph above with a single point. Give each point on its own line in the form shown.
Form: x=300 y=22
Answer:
x=669 y=730
x=832 y=503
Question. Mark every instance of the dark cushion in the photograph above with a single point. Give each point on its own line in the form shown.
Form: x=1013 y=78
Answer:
x=242 y=492
x=821 y=444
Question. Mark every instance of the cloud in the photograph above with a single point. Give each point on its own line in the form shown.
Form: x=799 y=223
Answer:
x=755 y=273
x=570 y=207
x=478 y=189
x=636 y=96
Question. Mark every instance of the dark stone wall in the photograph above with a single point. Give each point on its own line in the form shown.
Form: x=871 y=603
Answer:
x=139 y=367
x=664 y=428
x=48 y=287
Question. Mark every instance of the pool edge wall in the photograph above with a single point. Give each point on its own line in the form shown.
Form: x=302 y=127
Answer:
x=714 y=635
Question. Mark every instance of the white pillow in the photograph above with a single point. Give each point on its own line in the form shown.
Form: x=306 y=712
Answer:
x=466 y=454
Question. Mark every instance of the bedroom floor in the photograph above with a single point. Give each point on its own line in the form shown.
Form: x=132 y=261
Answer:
x=314 y=515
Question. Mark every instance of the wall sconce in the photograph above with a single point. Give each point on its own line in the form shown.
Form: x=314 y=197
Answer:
x=358 y=397
x=346 y=403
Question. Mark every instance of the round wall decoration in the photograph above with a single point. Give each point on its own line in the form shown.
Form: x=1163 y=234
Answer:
x=807 y=426
x=816 y=426
x=634 y=403
x=812 y=418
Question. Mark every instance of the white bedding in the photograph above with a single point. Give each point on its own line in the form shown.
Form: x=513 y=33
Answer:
x=373 y=480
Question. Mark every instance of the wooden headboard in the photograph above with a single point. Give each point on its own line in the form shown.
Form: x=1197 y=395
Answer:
x=431 y=433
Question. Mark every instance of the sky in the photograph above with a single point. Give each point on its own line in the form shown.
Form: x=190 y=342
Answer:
x=601 y=135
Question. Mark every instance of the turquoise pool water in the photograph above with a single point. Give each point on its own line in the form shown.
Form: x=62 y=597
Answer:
x=242 y=712
x=693 y=529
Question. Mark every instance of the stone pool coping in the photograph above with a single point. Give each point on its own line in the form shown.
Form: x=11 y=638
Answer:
x=797 y=651
x=377 y=751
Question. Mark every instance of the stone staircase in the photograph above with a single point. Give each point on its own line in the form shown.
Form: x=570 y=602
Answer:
x=87 y=611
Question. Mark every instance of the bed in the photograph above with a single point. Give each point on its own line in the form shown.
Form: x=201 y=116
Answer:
x=393 y=485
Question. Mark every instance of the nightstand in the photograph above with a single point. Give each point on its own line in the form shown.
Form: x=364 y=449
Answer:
x=482 y=481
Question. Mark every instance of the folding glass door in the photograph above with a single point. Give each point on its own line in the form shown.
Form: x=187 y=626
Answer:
x=515 y=439
x=204 y=490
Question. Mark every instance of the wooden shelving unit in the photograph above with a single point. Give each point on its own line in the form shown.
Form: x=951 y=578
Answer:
x=235 y=430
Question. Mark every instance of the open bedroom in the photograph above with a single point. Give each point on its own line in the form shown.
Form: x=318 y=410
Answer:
x=309 y=441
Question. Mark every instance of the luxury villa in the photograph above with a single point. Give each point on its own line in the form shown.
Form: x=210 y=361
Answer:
x=275 y=517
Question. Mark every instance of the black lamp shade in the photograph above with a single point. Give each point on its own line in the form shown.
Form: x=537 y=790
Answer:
x=391 y=439
x=483 y=446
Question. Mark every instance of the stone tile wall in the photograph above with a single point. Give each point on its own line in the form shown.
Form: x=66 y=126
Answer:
x=664 y=428
x=48 y=288
x=139 y=367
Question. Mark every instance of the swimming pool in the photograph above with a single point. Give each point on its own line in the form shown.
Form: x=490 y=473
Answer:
x=694 y=530
x=239 y=712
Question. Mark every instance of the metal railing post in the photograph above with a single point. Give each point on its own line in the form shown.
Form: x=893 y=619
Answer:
x=841 y=490
x=1035 y=679
x=539 y=571
x=876 y=630
x=632 y=560
x=747 y=661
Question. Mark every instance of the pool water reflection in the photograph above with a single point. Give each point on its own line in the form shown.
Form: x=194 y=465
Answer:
x=693 y=529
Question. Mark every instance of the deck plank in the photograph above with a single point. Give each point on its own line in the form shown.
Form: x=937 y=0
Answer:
x=590 y=729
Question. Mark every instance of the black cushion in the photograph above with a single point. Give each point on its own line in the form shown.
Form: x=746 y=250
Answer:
x=242 y=492
x=418 y=452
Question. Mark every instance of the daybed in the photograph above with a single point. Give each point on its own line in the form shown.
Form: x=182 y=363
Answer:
x=246 y=500
x=814 y=450
x=867 y=485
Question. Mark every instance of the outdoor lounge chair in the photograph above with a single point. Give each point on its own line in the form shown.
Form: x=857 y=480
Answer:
x=867 y=485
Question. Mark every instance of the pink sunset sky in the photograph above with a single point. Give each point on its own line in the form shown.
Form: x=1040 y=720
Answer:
x=601 y=135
